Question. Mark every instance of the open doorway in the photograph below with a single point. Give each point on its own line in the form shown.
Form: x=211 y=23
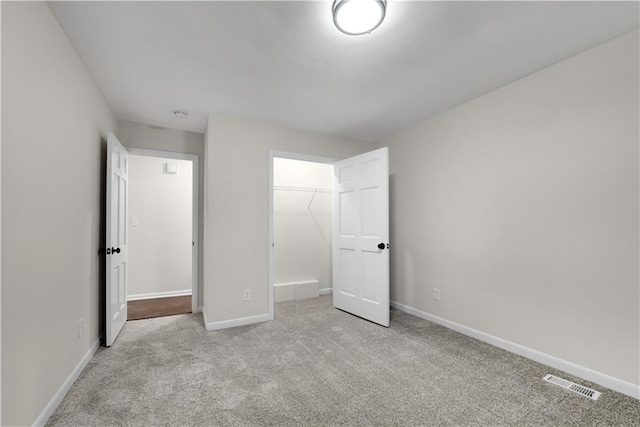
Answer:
x=301 y=227
x=162 y=228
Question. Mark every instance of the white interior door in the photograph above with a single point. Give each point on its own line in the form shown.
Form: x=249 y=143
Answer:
x=116 y=239
x=361 y=235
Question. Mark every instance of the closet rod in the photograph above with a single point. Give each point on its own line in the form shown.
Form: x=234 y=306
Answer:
x=303 y=189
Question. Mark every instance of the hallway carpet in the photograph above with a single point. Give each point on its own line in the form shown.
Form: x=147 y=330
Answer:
x=315 y=365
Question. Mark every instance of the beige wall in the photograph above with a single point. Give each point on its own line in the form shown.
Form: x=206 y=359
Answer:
x=521 y=206
x=160 y=247
x=137 y=135
x=54 y=124
x=302 y=222
x=237 y=199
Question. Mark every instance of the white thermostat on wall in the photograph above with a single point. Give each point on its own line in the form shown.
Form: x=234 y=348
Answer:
x=171 y=167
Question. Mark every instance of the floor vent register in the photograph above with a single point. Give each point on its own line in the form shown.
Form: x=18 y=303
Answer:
x=576 y=388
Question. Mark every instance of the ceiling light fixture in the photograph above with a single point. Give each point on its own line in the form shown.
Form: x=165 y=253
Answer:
x=180 y=114
x=357 y=17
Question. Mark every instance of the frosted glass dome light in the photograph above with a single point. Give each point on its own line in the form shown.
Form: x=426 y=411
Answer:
x=356 y=17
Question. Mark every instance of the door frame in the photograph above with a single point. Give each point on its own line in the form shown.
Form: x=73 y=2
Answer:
x=293 y=156
x=195 y=223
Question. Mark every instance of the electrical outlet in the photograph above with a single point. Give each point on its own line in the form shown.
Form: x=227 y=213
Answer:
x=247 y=294
x=436 y=294
x=80 y=327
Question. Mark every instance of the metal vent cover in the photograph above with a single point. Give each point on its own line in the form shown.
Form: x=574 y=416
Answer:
x=576 y=388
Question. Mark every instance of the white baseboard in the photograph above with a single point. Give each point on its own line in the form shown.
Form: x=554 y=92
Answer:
x=588 y=374
x=152 y=295
x=232 y=323
x=326 y=291
x=64 y=388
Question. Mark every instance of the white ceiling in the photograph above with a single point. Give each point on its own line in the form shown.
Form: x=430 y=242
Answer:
x=285 y=63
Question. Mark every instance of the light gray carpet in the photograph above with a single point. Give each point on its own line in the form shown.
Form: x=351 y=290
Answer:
x=315 y=365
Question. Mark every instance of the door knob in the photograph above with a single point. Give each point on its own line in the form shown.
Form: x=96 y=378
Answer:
x=115 y=250
x=381 y=245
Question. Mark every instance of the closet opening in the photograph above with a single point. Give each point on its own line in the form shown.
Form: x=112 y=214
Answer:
x=300 y=228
